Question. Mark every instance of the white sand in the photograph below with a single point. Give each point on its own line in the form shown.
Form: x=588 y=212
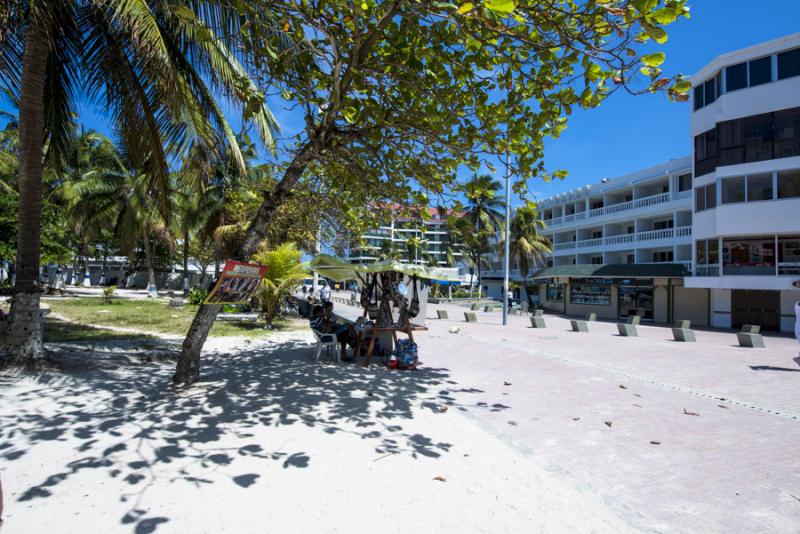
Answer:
x=269 y=443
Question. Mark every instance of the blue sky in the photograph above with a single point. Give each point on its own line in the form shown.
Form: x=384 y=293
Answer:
x=628 y=133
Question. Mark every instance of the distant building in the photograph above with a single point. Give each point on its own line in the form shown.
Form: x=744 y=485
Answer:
x=713 y=237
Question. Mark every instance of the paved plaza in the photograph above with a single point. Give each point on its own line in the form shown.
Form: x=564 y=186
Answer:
x=678 y=437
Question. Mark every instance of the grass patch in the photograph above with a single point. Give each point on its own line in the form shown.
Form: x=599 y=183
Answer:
x=154 y=316
x=56 y=331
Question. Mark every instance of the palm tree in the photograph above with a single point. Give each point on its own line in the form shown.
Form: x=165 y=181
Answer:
x=284 y=273
x=528 y=246
x=484 y=210
x=156 y=66
x=473 y=244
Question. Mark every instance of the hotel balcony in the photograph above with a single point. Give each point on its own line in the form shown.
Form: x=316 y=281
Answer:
x=621 y=207
x=625 y=240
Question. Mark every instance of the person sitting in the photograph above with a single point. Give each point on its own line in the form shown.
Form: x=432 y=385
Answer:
x=345 y=333
x=317 y=321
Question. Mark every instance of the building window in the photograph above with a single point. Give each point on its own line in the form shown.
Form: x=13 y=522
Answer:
x=760 y=71
x=789 y=255
x=710 y=90
x=589 y=293
x=597 y=234
x=707 y=257
x=597 y=260
x=705 y=197
x=698 y=97
x=757 y=135
x=733 y=190
x=684 y=182
x=748 y=256
x=630 y=258
x=789 y=64
x=662 y=256
x=555 y=292
x=789 y=184
x=663 y=225
x=759 y=187
x=735 y=77
x=787 y=133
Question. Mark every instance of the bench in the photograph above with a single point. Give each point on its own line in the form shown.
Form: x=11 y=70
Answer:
x=591 y=316
x=487 y=309
x=579 y=326
x=750 y=337
x=475 y=306
x=627 y=330
x=470 y=317
x=442 y=314
x=537 y=319
x=682 y=331
x=751 y=329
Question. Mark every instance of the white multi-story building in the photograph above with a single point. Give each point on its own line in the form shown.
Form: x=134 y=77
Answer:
x=746 y=231
x=713 y=237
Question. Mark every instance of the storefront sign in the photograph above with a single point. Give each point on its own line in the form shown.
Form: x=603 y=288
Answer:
x=635 y=282
x=237 y=284
x=592 y=281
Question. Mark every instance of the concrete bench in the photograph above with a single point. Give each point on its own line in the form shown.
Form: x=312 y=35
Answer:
x=470 y=317
x=488 y=309
x=579 y=326
x=751 y=329
x=750 y=340
x=627 y=330
x=475 y=306
x=591 y=316
x=683 y=323
x=537 y=313
x=683 y=334
x=442 y=314
x=537 y=321
x=633 y=320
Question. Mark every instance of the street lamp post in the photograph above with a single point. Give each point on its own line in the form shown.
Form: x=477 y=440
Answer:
x=507 y=240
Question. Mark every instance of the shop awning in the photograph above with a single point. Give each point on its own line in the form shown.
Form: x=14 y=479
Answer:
x=623 y=270
x=337 y=269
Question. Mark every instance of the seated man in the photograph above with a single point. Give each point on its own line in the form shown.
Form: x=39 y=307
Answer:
x=344 y=333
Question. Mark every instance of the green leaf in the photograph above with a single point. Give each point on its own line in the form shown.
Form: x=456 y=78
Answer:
x=501 y=7
x=349 y=114
x=183 y=13
x=665 y=15
x=465 y=8
x=655 y=33
x=653 y=60
x=683 y=86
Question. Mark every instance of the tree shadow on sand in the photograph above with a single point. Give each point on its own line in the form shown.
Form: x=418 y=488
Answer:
x=119 y=410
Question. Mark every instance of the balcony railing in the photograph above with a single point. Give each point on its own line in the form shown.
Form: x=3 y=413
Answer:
x=564 y=246
x=584 y=243
x=618 y=239
x=651 y=200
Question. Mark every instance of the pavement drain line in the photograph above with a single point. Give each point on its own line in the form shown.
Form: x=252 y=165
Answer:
x=669 y=385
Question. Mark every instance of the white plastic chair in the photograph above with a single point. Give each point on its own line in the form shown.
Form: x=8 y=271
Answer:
x=328 y=342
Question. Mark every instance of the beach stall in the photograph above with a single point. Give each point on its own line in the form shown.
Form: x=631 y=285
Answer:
x=392 y=297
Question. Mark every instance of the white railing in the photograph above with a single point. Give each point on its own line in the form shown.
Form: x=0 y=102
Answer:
x=664 y=233
x=707 y=270
x=569 y=218
x=590 y=242
x=618 y=239
x=652 y=200
x=553 y=221
x=686 y=263
x=564 y=246
x=683 y=231
x=580 y=215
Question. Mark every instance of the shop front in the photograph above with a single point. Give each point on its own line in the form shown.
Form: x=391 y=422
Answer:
x=636 y=297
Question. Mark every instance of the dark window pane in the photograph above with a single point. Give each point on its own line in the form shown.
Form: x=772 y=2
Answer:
x=789 y=184
x=701 y=253
x=713 y=251
x=711 y=143
x=700 y=199
x=789 y=255
x=711 y=196
x=760 y=71
x=789 y=64
x=736 y=77
x=698 y=97
x=787 y=133
x=684 y=182
x=732 y=190
x=757 y=134
x=710 y=90
x=759 y=187
x=700 y=147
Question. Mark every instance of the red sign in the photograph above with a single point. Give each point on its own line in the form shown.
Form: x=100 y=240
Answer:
x=237 y=284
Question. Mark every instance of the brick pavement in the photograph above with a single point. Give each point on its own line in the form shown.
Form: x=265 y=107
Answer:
x=733 y=467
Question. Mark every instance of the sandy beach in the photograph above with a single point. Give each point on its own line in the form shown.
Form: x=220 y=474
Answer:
x=268 y=442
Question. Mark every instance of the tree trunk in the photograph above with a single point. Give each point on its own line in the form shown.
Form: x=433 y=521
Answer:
x=480 y=278
x=218 y=248
x=186 y=261
x=188 y=369
x=151 y=271
x=23 y=335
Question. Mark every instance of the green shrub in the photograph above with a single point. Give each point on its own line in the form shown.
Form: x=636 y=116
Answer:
x=108 y=294
x=197 y=295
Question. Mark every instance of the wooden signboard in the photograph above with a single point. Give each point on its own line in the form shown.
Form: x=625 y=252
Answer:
x=237 y=284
